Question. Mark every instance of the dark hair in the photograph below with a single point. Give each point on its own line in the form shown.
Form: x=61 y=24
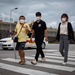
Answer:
x=21 y=16
x=38 y=13
x=65 y=15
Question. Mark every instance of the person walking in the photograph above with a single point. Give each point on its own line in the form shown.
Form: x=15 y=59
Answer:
x=40 y=30
x=21 y=30
x=64 y=35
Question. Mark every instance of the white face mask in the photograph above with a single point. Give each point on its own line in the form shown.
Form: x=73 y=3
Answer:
x=63 y=19
x=38 y=18
x=21 y=21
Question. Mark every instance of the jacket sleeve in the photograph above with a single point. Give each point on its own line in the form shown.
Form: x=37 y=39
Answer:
x=58 y=33
x=71 y=32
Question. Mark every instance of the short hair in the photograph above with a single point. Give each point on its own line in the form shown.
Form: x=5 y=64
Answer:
x=22 y=16
x=65 y=15
x=38 y=13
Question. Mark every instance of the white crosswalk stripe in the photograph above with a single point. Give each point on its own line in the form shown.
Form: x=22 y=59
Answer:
x=70 y=53
x=55 y=54
x=23 y=70
x=53 y=61
x=57 y=57
x=63 y=68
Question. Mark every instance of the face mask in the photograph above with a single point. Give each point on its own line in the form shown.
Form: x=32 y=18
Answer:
x=38 y=18
x=22 y=21
x=63 y=19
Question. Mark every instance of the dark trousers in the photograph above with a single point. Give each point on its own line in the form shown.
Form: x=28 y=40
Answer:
x=64 y=45
x=39 y=48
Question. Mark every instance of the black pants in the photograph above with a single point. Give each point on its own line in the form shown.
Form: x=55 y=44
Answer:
x=39 y=48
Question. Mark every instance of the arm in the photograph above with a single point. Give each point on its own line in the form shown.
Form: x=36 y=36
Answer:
x=46 y=35
x=72 y=32
x=28 y=29
x=32 y=34
x=14 y=34
x=58 y=32
x=32 y=31
x=45 y=31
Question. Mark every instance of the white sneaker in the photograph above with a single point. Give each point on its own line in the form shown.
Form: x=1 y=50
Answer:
x=43 y=59
x=34 y=62
x=64 y=63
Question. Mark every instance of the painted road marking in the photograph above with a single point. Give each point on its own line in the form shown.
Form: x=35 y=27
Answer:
x=50 y=66
x=23 y=70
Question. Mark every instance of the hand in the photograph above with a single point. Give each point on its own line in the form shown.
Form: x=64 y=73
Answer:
x=26 y=28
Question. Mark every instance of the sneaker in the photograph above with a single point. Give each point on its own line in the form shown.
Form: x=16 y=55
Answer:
x=64 y=63
x=34 y=62
x=43 y=59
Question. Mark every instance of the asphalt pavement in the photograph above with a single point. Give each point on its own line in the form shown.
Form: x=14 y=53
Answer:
x=52 y=66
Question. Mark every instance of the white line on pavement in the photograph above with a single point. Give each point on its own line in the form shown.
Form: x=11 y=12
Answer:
x=58 y=55
x=57 y=67
x=23 y=70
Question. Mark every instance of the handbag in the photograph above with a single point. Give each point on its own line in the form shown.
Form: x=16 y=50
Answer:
x=16 y=37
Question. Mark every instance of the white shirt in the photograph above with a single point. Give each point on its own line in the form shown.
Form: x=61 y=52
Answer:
x=63 y=29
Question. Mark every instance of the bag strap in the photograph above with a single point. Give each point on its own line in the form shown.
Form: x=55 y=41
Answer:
x=20 y=31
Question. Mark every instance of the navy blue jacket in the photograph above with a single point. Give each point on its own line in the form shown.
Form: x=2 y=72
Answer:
x=70 y=32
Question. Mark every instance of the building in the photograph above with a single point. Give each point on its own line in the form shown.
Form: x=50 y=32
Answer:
x=5 y=30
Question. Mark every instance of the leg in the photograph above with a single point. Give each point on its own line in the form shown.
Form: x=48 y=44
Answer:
x=61 y=47
x=66 y=46
x=39 y=49
x=37 y=55
x=42 y=54
x=21 y=53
